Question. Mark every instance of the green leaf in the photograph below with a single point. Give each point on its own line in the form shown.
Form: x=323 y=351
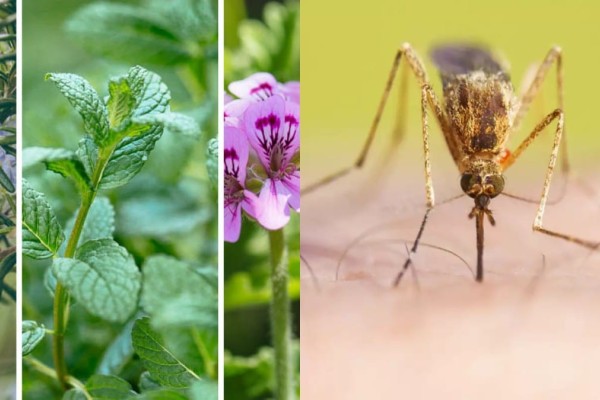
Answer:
x=86 y=102
x=127 y=33
x=212 y=160
x=146 y=382
x=32 y=333
x=162 y=394
x=151 y=96
x=6 y=182
x=74 y=394
x=103 y=277
x=174 y=294
x=71 y=169
x=192 y=20
x=253 y=376
x=108 y=387
x=204 y=390
x=34 y=155
x=163 y=366
x=87 y=152
x=100 y=221
x=120 y=102
x=42 y=234
x=118 y=353
x=175 y=122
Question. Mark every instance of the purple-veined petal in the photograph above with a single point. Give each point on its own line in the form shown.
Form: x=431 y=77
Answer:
x=291 y=131
x=236 y=153
x=292 y=184
x=273 y=212
x=263 y=122
x=259 y=86
x=233 y=222
x=234 y=110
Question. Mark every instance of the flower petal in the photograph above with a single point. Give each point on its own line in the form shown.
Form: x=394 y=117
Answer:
x=259 y=86
x=250 y=204
x=292 y=184
x=291 y=128
x=236 y=153
x=273 y=211
x=263 y=122
x=233 y=222
x=291 y=91
x=234 y=110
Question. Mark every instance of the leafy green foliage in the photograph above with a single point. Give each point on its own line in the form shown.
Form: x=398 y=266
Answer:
x=162 y=364
x=42 y=234
x=146 y=196
x=103 y=277
x=31 y=334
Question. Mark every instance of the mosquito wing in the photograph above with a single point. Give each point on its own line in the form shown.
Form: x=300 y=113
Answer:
x=459 y=59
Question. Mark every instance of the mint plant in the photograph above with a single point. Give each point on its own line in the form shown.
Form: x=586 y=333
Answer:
x=168 y=307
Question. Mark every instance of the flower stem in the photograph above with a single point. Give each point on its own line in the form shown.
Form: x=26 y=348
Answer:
x=61 y=296
x=280 y=316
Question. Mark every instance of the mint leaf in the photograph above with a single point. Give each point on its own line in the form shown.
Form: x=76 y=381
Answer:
x=162 y=394
x=74 y=394
x=87 y=152
x=34 y=155
x=71 y=168
x=42 y=234
x=86 y=102
x=127 y=33
x=118 y=353
x=100 y=221
x=163 y=366
x=32 y=333
x=174 y=122
x=174 y=294
x=108 y=387
x=192 y=20
x=151 y=96
x=103 y=277
x=120 y=102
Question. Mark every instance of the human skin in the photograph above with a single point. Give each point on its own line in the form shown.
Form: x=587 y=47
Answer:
x=531 y=330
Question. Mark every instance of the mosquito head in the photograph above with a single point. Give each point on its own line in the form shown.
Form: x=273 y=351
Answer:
x=482 y=187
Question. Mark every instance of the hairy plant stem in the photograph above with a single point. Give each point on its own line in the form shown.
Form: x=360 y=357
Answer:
x=280 y=316
x=61 y=296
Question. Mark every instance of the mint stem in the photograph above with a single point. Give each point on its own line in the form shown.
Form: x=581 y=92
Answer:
x=280 y=316
x=61 y=296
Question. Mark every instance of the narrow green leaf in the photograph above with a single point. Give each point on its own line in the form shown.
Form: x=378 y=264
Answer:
x=103 y=277
x=126 y=33
x=42 y=234
x=108 y=387
x=32 y=333
x=5 y=181
x=163 y=366
x=86 y=102
x=174 y=294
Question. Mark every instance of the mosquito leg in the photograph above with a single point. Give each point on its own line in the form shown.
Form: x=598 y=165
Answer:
x=419 y=71
x=538 y=222
x=553 y=56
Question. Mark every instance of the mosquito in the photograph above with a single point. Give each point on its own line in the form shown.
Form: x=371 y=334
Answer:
x=478 y=113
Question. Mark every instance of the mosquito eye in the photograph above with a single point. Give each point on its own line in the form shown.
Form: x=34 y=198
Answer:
x=467 y=181
x=497 y=182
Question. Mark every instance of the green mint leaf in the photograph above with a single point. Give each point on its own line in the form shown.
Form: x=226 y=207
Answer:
x=162 y=394
x=118 y=353
x=108 y=387
x=32 y=333
x=71 y=168
x=174 y=122
x=120 y=102
x=99 y=223
x=192 y=20
x=204 y=390
x=86 y=102
x=42 y=234
x=87 y=152
x=146 y=382
x=103 y=277
x=127 y=33
x=34 y=155
x=174 y=294
x=151 y=96
x=74 y=394
x=163 y=366
x=212 y=160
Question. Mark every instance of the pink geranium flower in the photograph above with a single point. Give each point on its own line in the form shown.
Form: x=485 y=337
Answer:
x=273 y=130
x=237 y=198
x=262 y=85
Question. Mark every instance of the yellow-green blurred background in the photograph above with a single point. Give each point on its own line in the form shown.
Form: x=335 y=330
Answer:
x=347 y=50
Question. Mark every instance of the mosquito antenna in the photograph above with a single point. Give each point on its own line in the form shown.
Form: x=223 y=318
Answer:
x=311 y=272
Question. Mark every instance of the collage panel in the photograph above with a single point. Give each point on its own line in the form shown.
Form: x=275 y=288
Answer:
x=449 y=200
x=119 y=200
x=261 y=200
